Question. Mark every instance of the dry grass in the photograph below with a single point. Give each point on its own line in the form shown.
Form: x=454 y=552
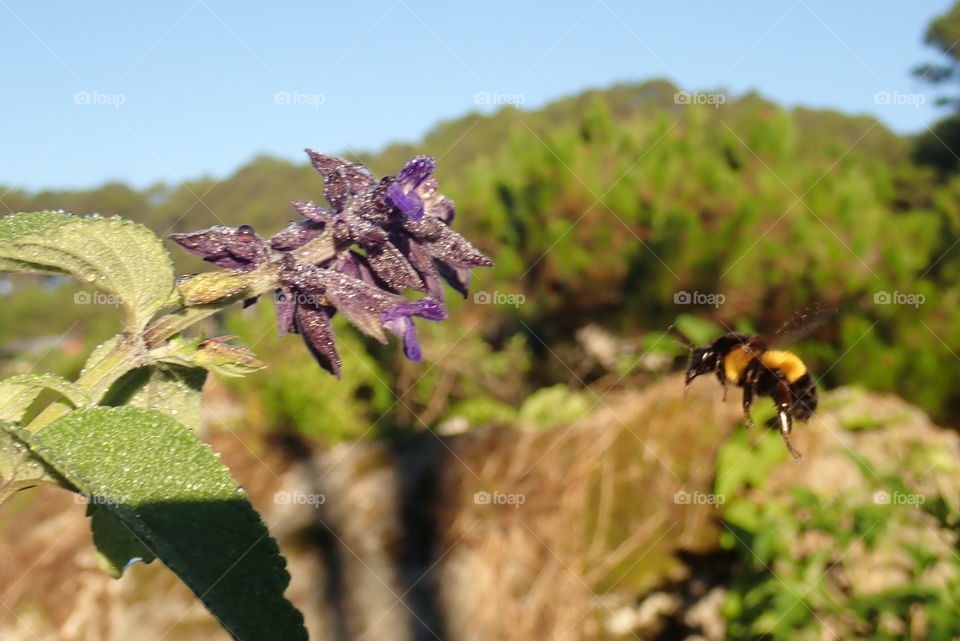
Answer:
x=597 y=529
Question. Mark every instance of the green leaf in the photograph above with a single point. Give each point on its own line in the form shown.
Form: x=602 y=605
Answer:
x=18 y=392
x=172 y=389
x=117 y=545
x=172 y=492
x=119 y=256
x=19 y=468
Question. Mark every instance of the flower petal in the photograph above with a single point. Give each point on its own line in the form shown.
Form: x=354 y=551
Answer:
x=357 y=177
x=285 y=305
x=434 y=203
x=359 y=302
x=363 y=232
x=445 y=244
x=403 y=328
x=354 y=265
x=398 y=322
x=425 y=266
x=313 y=323
x=416 y=171
x=390 y=265
x=335 y=190
x=314 y=212
x=407 y=202
x=458 y=279
x=296 y=235
x=240 y=248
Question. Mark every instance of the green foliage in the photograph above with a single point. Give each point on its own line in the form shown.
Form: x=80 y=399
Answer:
x=554 y=406
x=17 y=393
x=122 y=257
x=850 y=561
x=171 y=491
x=156 y=489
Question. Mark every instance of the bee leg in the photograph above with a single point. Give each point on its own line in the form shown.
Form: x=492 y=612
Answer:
x=783 y=418
x=749 y=389
x=747 y=402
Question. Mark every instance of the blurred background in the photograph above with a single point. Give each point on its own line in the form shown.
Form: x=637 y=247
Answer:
x=541 y=474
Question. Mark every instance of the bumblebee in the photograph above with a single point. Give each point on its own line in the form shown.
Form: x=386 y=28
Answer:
x=744 y=360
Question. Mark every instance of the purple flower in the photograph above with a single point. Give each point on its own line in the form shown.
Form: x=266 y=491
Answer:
x=401 y=223
x=400 y=323
x=388 y=236
x=402 y=192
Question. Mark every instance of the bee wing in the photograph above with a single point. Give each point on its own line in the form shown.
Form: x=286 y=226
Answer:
x=802 y=324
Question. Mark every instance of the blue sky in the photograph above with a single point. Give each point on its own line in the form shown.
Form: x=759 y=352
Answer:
x=147 y=92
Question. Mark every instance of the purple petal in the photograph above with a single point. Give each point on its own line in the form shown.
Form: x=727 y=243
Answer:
x=457 y=278
x=363 y=232
x=426 y=308
x=356 y=176
x=285 y=305
x=424 y=264
x=403 y=328
x=335 y=190
x=360 y=302
x=240 y=248
x=445 y=244
x=416 y=171
x=392 y=268
x=373 y=205
x=313 y=323
x=314 y=212
x=407 y=202
x=435 y=204
x=355 y=266
x=403 y=193
x=296 y=235
x=398 y=322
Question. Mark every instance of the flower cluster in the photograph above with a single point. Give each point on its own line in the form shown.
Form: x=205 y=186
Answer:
x=388 y=236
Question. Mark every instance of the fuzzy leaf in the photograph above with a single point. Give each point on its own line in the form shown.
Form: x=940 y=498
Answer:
x=19 y=468
x=174 y=390
x=120 y=256
x=18 y=392
x=173 y=493
x=117 y=546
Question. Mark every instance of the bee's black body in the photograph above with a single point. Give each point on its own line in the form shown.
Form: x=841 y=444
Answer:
x=745 y=361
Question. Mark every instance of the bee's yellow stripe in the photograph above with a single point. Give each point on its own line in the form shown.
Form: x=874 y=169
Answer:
x=735 y=362
x=787 y=362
